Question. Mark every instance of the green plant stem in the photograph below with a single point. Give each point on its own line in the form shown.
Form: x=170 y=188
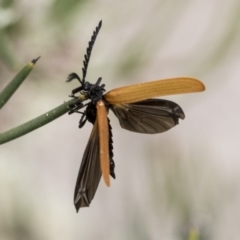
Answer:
x=9 y=90
x=35 y=123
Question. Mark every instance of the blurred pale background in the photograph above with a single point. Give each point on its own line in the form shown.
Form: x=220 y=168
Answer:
x=187 y=178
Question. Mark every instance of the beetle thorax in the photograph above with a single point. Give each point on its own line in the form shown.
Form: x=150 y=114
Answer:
x=94 y=92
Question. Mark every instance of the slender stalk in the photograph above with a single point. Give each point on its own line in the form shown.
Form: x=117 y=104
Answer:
x=9 y=90
x=35 y=123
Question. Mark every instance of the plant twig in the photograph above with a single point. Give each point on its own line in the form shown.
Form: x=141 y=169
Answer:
x=35 y=123
x=9 y=90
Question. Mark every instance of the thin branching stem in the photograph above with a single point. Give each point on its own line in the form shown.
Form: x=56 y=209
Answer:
x=10 y=89
x=35 y=123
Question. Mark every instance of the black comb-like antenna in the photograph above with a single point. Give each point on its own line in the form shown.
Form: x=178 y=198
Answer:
x=86 y=57
x=89 y=50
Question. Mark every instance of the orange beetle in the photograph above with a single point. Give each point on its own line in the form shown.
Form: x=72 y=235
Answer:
x=136 y=111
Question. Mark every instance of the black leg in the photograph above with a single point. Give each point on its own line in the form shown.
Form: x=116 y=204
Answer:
x=83 y=120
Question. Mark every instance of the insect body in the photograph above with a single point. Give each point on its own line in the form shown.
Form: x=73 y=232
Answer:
x=136 y=111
